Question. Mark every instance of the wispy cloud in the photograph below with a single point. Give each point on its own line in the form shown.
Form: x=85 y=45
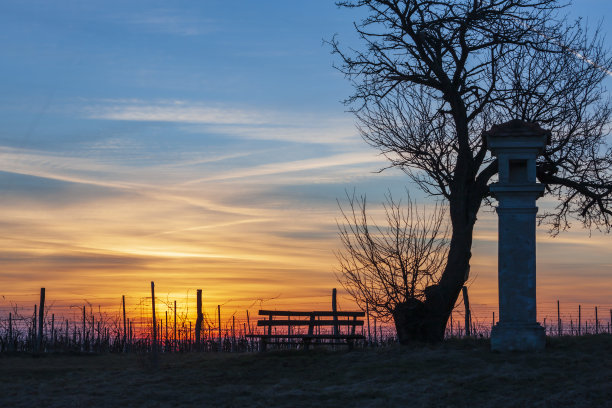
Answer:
x=316 y=131
x=239 y=122
x=170 y=21
x=345 y=159
x=177 y=112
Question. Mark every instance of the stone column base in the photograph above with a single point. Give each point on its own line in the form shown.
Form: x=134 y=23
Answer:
x=518 y=337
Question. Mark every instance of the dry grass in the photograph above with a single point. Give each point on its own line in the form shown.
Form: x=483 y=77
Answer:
x=572 y=372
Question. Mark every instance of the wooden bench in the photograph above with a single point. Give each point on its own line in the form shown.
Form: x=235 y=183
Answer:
x=293 y=321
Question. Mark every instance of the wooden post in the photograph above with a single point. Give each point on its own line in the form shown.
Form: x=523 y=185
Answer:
x=83 y=338
x=233 y=333
x=375 y=339
x=596 y=322
x=579 y=320
x=167 y=342
x=34 y=337
x=468 y=317
x=41 y=320
x=493 y=321
x=368 y=317
x=249 y=321
x=174 y=346
x=161 y=334
x=558 y=319
x=154 y=320
x=334 y=309
x=11 y=330
x=53 y=330
x=124 y=320
x=451 y=323
x=199 y=319
x=219 y=319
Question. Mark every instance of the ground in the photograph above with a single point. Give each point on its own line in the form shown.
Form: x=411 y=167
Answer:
x=571 y=372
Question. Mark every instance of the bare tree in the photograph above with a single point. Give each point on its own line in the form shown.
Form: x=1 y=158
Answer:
x=383 y=267
x=434 y=75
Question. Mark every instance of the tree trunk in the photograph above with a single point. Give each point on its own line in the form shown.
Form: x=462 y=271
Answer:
x=426 y=320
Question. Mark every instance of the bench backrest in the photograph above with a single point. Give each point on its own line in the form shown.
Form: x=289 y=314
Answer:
x=308 y=314
x=314 y=319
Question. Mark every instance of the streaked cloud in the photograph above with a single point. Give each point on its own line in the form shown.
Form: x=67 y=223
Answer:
x=346 y=159
x=244 y=123
x=177 y=111
x=170 y=21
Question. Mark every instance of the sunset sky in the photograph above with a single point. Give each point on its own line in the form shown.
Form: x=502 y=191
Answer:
x=202 y=144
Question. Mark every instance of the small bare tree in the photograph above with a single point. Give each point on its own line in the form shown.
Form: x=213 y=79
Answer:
x=391 y=265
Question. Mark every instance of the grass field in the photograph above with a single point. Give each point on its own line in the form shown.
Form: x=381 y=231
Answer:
x=572 y=372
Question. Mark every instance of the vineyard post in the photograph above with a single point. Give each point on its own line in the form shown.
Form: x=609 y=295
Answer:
x=579 y=320
x=53 y=330
x=200 y=317
x=334 y=310
x=233 y=333
x=124 y=321
x=167 y=341
x=83 y=337
x=11 y=331
x=596 y=322
x=368 y=317
x=466 y=303
x=219 y=319
x=41 y=320
x=33 y=330
x=558 y=319
x=154 y=319
x=375 y=338
x=93 y=327
x=174 y=345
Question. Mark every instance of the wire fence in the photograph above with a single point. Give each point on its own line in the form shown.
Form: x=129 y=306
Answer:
x=558 y=319
x=127 y=326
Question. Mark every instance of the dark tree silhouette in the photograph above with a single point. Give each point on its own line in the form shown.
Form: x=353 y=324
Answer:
x=390 y=265
x=434 y=75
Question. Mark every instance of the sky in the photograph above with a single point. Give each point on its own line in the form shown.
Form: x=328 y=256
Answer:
x=203 y=144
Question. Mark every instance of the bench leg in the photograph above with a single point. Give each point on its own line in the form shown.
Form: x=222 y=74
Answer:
x=306 y=344
x=263 y=345
x=350 y=344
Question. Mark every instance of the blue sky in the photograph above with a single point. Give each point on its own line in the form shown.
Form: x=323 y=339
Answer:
x=190 y=141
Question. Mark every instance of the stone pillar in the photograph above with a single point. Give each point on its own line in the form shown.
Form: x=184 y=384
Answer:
x=516 y=144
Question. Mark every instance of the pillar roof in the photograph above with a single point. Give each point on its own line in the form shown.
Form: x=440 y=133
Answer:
x=519 y=129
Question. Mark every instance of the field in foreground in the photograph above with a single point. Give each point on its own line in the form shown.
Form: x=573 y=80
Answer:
x=572 y=372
